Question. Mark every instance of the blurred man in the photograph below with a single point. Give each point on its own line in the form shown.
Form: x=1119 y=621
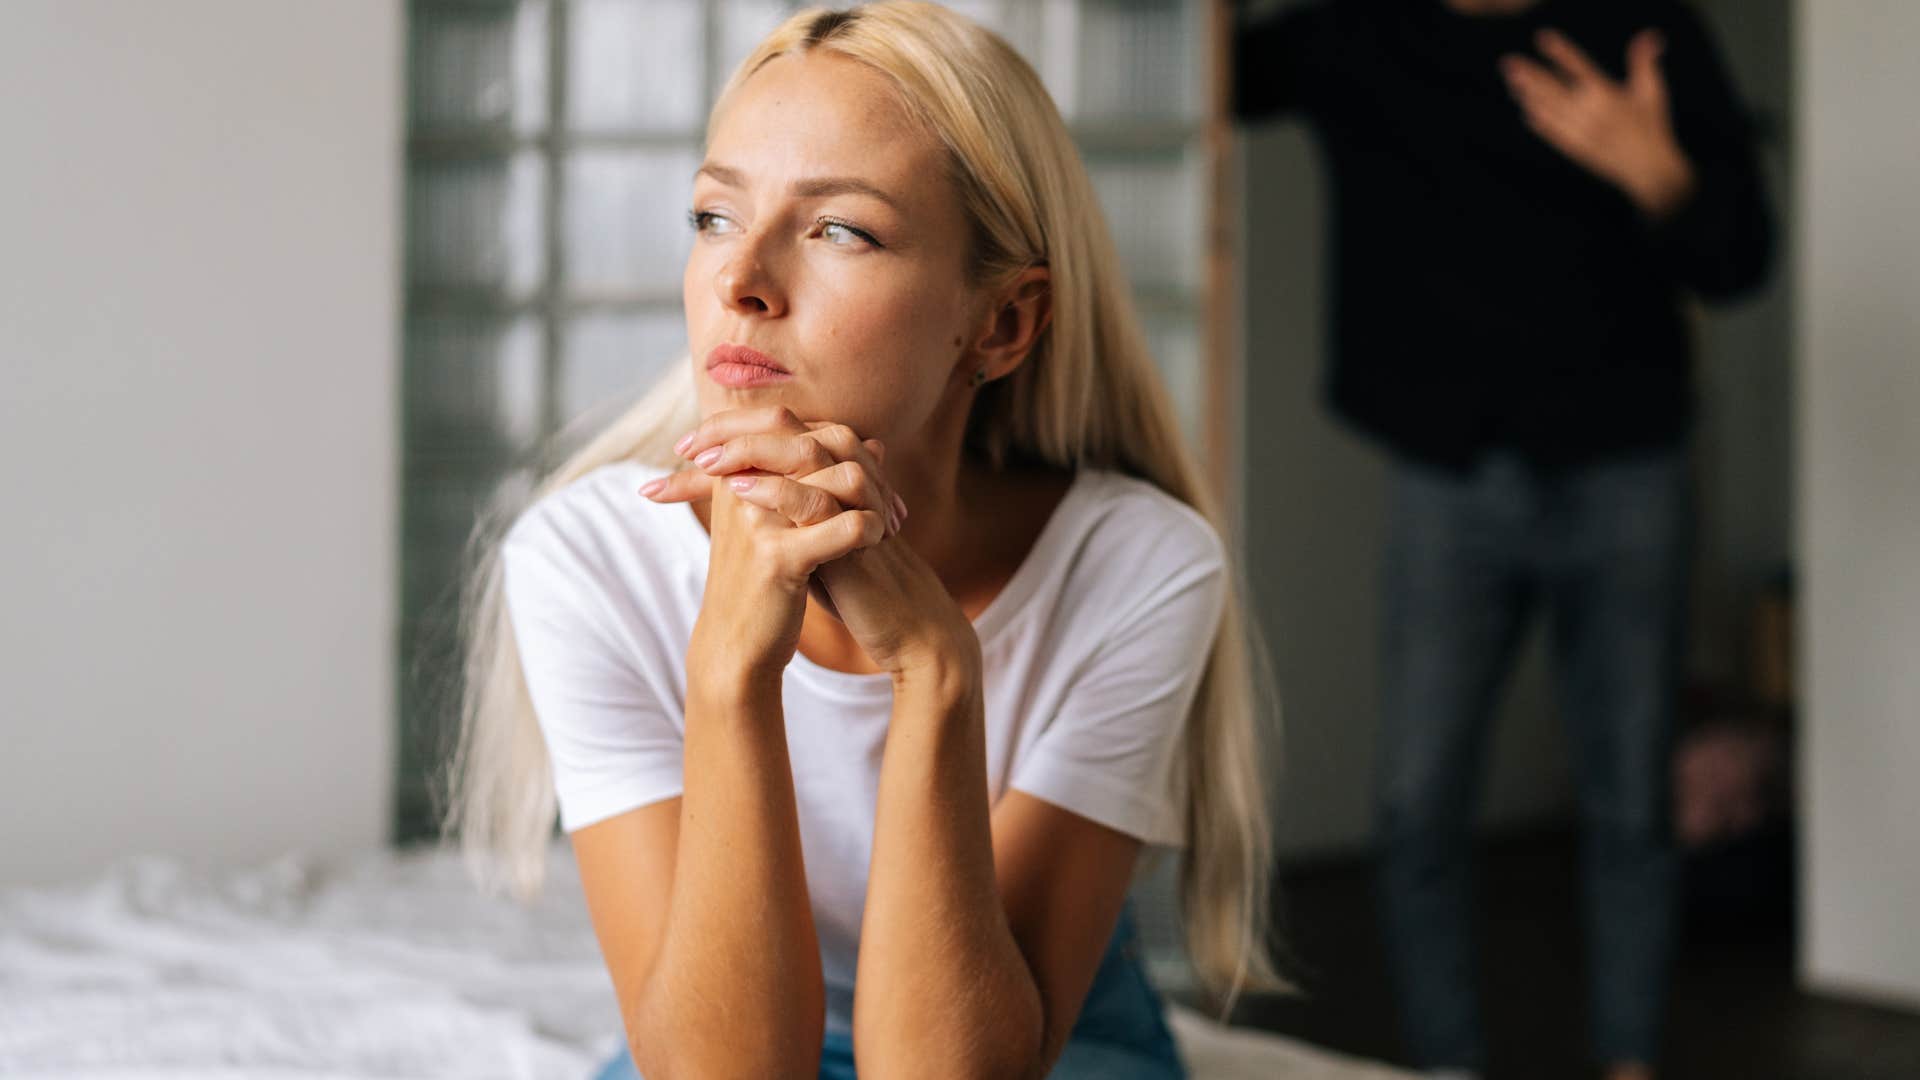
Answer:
x=1523 y=191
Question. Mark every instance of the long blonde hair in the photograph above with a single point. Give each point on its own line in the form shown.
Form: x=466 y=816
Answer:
x=1087 y=395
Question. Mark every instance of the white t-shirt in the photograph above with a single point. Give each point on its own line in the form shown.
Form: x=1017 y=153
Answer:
x=1093 y=652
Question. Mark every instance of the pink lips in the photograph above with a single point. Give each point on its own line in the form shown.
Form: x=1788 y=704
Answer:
x=738 y=366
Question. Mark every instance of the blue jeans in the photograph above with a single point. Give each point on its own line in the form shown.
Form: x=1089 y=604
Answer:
x=1603 y=548
x=1121 y=1034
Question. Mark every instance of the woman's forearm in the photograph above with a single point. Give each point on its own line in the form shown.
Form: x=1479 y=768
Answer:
x=943 y=989
x=736 y=990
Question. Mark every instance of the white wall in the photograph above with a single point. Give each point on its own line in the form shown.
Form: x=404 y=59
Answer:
x=199 y=265
x=1859 y=493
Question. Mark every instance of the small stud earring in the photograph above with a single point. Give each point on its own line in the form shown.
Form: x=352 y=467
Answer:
x=979 y=377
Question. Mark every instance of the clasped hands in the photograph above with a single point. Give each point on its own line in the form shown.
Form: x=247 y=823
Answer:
x=803 y=508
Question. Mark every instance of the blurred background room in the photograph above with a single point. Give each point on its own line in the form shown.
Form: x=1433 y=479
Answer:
x=290 y=291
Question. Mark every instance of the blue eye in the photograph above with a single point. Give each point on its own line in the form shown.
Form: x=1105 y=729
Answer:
x=700 y=220
x=828 y=225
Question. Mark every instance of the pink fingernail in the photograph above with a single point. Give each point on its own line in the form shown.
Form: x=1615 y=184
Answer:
x=900 y=506
x=652 y=487
x=742 y=483
x=685 y=441
x=707 y=457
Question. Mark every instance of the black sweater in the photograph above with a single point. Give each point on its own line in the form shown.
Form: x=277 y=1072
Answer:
x=1486 y=289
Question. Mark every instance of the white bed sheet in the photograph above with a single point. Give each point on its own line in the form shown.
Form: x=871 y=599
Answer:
x=386 y=965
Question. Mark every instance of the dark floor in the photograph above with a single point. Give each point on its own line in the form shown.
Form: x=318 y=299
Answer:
x=1736 y=1012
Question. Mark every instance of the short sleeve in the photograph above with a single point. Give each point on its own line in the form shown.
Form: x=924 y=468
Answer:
x=610 y=735
x=1113 y=752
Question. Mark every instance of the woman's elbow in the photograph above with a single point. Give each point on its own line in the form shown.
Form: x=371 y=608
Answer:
x=674 y=1042
x=988 y=1058
x=662 y=1060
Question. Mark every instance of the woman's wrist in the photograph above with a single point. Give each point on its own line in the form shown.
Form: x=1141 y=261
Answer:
x=952 y=671
x=736 y=695
x=723 y=674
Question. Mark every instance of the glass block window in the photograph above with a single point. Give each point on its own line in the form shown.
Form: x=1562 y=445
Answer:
x=550 y=159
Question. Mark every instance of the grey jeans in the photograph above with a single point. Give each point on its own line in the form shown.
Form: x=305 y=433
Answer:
x=1604 y=549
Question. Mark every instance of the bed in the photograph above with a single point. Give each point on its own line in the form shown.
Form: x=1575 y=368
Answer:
x=385 y=965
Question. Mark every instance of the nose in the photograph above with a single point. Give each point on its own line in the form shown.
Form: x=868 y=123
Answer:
x=746 y=285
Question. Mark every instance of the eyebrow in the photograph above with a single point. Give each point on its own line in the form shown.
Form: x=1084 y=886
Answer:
x=815 y=187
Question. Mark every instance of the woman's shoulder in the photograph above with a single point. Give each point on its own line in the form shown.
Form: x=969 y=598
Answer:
x=1140 y=528
x=1123 y=544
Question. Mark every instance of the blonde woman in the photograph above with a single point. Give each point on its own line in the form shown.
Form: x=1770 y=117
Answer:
x=865 y=655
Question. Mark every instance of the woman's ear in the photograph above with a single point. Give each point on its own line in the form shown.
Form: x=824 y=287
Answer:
x=1021 y=313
